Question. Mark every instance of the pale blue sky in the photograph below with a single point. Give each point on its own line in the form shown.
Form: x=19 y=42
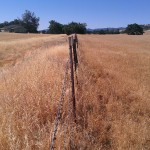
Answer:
x=96 y=13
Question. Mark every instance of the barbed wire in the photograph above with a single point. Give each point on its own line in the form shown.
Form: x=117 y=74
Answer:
x=71 y=103
x=60 y=105
x=65 y=133
x=66 y=122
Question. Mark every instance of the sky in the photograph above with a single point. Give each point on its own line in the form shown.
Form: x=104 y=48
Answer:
x=96 y=13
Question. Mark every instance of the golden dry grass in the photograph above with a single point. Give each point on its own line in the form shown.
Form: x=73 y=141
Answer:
x=112 y=95
x=29 y=95
x=114 y=74
x=15 y=46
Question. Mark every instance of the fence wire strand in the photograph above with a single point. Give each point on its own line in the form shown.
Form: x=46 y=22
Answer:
x=68 y=126
x=60 y=105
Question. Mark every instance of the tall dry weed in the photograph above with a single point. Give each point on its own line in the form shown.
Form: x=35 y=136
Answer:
x=113 y=96
x=29 y=94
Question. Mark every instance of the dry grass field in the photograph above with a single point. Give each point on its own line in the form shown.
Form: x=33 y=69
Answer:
x=113 y=92
x=15 y=46
x=29 y=91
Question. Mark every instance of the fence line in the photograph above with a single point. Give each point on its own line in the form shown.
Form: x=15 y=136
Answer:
x=59 y=111
x=72 y=101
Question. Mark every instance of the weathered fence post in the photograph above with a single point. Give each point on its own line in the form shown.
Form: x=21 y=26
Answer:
x=75 y=45
x=73 y=101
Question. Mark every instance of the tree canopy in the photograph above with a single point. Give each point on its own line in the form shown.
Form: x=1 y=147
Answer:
x=73 y=27
x=14 y=22
x=30 y=21
x=134 y=29
x=55 y=27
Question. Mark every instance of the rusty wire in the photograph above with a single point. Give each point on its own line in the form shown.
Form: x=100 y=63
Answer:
x=60 y=105
x=66 y=123
x=71 y=107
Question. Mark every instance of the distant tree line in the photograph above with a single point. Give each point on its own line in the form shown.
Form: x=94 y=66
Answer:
x=6 y=23
x=31 y=22
x=102 y=31
x=146 y=27
x=73 y=27
x=134 y=29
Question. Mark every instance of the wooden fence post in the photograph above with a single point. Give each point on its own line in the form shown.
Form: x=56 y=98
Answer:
x=73 y=101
